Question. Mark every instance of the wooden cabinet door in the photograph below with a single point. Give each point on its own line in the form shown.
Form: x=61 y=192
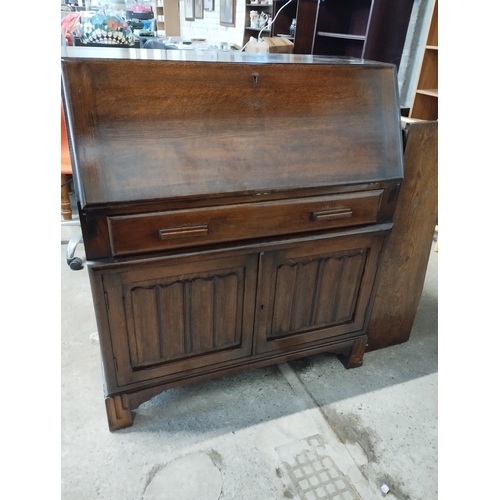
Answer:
x=179 y=316
x=314 y=291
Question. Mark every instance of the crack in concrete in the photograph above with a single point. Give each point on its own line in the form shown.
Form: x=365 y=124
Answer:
x=151 y=474
x=216 y=458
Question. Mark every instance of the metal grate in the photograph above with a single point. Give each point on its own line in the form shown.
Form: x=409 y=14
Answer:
x=315 y=475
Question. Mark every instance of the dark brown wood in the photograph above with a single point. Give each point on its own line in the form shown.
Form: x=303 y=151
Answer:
x=228 y=224
x=180 y=315
x=386 y=35
x=372 y=29
x=355 y=359
x=119 y=412
x=306 y=26
x=203 y=226
x=404 y=265
x=315 y=291
x=198 y=136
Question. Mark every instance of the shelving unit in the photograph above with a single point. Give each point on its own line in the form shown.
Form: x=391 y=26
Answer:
x=425 y=102
x=342 y=27
x=284 y=20
x=160 y=18
x=281 y=27
x=268 y=8
x=369 y=29
x=167 y=18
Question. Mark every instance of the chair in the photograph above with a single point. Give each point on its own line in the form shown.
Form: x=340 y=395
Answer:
x=74 y=263
x=157 y=44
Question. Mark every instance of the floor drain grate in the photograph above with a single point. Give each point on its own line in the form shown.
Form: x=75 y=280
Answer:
x=314 y=474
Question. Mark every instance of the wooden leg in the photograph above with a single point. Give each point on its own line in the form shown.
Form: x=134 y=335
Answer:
x=357 y=353
x=119 y=413
x=355 y=357
x=65 y=201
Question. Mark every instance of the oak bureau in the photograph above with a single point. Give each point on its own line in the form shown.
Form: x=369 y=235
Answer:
x=234 y=208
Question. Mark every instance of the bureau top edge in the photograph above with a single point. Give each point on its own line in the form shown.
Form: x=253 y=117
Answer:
x=234 y=56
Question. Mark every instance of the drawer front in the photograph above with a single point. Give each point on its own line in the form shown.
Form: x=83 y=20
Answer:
x=131 y=234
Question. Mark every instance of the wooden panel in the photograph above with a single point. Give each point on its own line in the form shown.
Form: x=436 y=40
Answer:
x=306 y=297
x=207 y=125
x=171 y=13
x=201 y=312
x=403 y=268
x=183 y=228
x=328 y=288
x=349 y=281
x=387 y=33
x=314 y=292
x=306 y=26
x=145 y=347
x=171 y=308
x=176 y=318
x=283 y=308
x=225 y=310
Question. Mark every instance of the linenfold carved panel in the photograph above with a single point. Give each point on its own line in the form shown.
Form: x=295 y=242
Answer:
x=173 y=320
x=316 y=293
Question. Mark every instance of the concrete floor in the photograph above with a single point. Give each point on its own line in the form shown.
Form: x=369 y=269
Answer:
x=308 y=429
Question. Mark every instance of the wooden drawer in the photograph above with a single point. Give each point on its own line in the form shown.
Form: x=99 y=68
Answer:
x=150 y=232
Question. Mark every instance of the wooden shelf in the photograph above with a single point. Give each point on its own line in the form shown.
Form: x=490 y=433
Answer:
x=167 y=18
x=258 y=30
x=370 y=29
x=281 y=24
x=425 y=102
x=341 y=35
x=431 y=92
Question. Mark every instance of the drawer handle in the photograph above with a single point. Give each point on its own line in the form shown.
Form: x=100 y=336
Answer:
x=179 y=232
x=332 y=214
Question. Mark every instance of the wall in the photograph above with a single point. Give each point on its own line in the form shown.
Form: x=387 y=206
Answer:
x=210 y=28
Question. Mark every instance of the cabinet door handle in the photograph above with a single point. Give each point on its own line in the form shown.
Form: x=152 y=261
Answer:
x=331 y=214
x=179 y=232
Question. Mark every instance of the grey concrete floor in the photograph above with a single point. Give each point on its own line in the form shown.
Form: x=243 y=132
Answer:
x=308 y=429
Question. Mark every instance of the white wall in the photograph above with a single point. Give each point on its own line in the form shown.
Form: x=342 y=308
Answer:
x=209 y=27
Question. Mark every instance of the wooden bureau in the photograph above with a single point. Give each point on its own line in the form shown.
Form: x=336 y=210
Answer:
x=234 y=208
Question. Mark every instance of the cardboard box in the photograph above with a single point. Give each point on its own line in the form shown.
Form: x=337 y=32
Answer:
x=275 y=44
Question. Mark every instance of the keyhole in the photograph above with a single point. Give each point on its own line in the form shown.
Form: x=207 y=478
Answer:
x=255 y=77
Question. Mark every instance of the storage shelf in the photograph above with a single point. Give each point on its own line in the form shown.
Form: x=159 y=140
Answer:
x=425 y=102
x=369 y=29
x=431 y=92
x=282 y=22
x=341 y=35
